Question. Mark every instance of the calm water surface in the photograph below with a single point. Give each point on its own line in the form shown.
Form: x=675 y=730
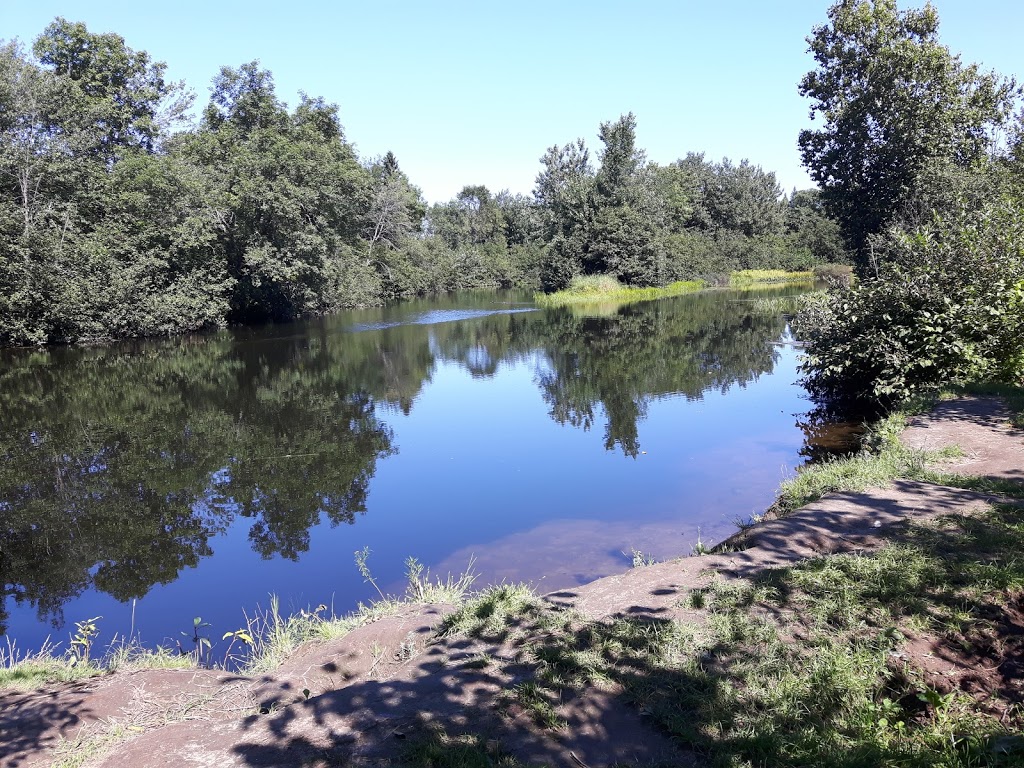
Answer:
x=197 y=476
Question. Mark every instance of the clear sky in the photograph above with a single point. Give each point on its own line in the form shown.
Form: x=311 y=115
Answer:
x=474 y=92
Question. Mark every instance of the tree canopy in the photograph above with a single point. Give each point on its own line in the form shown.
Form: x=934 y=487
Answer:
x=897 y=110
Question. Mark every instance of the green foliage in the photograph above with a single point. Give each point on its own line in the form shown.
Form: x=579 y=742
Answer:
x=900 y=113
x=117 y=223
x=947 y=307
x=836 y=275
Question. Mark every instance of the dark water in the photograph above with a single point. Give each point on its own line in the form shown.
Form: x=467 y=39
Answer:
x=197 y=476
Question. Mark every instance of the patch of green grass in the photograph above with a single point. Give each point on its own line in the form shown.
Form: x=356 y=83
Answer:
x=745 y=277
x=32 y=671
x=434 y=748
x=538 y=702
x=493 y=613
x=604 y=288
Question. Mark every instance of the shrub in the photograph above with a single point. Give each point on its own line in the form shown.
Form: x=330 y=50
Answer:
x=837 y=275
x=947 y=306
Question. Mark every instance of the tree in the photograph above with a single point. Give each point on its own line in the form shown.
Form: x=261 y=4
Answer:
x=896 y=105
x=396 y=206
x=124 y=97
x=744 y=198
x=288 y=191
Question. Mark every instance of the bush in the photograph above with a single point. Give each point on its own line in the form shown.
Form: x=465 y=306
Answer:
x=947 y=306
x=835 y=275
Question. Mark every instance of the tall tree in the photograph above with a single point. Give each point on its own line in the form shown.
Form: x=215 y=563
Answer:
x=896 y=106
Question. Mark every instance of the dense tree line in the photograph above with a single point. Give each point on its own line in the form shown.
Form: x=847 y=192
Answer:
x=912 y=162
x=122 y=215
x=649 y=224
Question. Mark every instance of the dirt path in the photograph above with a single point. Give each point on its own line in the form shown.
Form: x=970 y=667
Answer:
x=355 y=701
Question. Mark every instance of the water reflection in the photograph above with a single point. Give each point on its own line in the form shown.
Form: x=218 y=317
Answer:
x=120 y=466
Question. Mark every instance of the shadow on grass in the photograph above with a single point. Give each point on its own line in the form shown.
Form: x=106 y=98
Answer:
x=797 y=665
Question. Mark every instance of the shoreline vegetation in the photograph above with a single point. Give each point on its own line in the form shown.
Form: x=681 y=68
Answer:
x=849 y=619
x=606 y=288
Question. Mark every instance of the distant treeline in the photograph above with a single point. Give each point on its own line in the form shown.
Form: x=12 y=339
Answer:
x=120 y=218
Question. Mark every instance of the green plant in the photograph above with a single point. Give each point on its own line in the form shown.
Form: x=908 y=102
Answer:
x=362 y=555
x=242 y=634
x=201 y=644
x=420 y=588
x=81 y=642
x=947 y=307
x=700 y=548
x=639 y=559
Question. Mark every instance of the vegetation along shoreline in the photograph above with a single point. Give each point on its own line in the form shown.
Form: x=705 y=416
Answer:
x=874 y=615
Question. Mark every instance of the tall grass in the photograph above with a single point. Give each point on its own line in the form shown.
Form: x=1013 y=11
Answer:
x=753 y=276
x=605 y=288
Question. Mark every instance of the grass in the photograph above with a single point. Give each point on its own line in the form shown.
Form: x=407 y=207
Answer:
x=746 y=277
x=608 y=292
x=798 y=666
x=434 y=748
x=276 y=637
x=604 y=288
x=266 y=639
x=31 y=671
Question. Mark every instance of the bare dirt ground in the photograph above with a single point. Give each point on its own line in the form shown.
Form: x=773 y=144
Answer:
x=355 y=701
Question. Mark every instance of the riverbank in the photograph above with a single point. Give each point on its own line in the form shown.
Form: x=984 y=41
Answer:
x=606 y=289
x=881 y=623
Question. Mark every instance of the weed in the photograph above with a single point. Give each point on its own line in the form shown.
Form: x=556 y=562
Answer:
x=493 y=613
x=538 y=703
x=362 y=555
x=81 y=642
x=700 y=548
x=639 y=559
x=434 y=748
x=201 y=643
x=450 y=590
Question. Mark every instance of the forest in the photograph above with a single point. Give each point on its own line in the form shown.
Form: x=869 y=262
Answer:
x=129 y=212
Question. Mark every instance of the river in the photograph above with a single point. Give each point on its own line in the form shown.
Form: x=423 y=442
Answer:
x=154 y=482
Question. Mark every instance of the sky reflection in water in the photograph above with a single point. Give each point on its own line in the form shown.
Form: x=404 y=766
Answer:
x=200 y=475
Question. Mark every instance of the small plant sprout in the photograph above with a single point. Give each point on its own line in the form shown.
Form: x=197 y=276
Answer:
x=200 y=643
x=640 y=558
x=362 y=555
x=81 y=643
x=242 y=634
x=700 y=548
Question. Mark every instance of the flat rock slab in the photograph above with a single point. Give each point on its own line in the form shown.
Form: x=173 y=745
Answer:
x=839 y=522
x=981 y=427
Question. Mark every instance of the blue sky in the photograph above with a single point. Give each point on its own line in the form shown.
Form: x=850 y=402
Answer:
x=473 y=92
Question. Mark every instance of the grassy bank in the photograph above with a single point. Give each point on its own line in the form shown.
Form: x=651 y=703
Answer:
x=747 y=277
x=604 y=288
x=259 y=645
x=884 y=458
x=805 y=665
x=826 y=662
